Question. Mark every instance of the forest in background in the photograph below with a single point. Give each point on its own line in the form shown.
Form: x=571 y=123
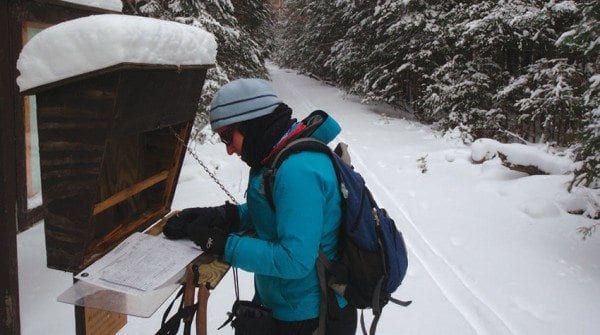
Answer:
x=519 y=70
x=515 y=71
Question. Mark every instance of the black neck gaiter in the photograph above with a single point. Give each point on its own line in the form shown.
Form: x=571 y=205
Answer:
x=261 y=134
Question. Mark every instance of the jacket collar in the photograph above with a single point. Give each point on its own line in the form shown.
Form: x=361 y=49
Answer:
x=318 y=125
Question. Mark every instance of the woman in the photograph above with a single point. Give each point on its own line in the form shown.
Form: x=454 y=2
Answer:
x=302 y=219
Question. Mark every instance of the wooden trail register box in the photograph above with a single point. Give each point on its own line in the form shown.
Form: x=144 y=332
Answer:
x=111 y=147
x=112 y=143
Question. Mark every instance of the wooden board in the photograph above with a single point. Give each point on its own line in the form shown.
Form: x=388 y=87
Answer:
x=9 y=281
x=100 y=322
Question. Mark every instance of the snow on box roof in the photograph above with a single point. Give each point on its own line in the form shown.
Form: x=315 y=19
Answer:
x=96 y=42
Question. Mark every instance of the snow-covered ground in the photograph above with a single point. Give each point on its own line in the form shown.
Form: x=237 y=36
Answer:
x=492 y=251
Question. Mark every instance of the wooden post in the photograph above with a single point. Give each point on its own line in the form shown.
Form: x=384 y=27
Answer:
x=201 y=323
x=9 y=280
x=188 y=294
x=92 y=321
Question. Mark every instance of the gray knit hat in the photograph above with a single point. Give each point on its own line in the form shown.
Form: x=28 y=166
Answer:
x=241 y=100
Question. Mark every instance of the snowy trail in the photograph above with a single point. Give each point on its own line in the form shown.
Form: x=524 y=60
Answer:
x=482 y=317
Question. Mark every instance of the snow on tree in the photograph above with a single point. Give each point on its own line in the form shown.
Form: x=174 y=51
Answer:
x=584 y=38
x=385 y=53
x=460 y=97
x=346 y=60
x=497 y=40
x=257 y=18
x=550 y=105
x=306 y=35
x=422 y=39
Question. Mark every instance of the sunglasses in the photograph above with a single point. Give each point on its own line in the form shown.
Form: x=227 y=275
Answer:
x=227 y=135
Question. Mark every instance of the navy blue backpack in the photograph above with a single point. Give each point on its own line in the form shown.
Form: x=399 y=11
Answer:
x=372 y=255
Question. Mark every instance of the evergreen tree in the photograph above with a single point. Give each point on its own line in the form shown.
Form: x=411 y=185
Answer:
x=256 y=17
x=383 y=56
x=583 y=37
x=589 y=151
x=307 y=35
x=497 y=40
x=422 y=36
x=460 y=97
x=551 y=103
x=285 y=33
x=346 y=60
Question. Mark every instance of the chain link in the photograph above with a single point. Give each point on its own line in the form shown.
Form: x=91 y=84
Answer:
x=206 y=169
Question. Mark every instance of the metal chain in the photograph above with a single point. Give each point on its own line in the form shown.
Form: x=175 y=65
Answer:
x=218 y=182
x=206 y=169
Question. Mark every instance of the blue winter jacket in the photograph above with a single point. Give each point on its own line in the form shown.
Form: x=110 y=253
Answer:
x=284 y=252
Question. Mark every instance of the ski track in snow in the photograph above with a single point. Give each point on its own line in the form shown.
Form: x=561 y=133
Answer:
x=481 y=316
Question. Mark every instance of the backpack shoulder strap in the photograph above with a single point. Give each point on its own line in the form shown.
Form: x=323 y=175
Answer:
x=296 y=146
x=299 y=145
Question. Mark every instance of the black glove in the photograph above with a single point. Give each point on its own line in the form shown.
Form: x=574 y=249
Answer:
x=186 y=223
x=211 y=239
